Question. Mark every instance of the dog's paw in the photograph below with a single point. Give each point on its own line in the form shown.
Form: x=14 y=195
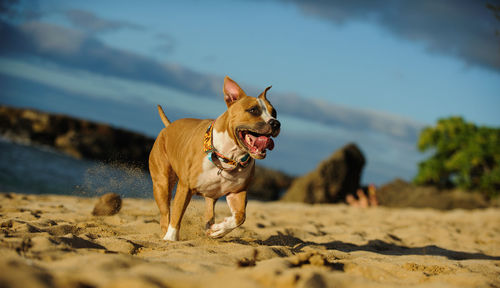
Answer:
x=219 y=230
x=171 y=235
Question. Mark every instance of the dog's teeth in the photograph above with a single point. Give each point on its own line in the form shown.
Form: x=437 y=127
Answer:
x=248 y=138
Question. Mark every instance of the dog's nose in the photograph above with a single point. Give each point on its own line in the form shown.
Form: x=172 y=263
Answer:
x=275 y=124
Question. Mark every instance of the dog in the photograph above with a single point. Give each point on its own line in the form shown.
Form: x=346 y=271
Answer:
x=211 y=158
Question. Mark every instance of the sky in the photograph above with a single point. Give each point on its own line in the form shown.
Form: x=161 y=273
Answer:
x=369 y=72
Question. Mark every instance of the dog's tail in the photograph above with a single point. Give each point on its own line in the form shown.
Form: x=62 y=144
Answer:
x=164 y=118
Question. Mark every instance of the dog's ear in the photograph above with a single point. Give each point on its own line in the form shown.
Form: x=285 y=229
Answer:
x=263 y=94
x=232 y=91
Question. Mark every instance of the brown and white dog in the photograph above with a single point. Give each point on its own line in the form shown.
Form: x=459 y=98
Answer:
x=211 y=158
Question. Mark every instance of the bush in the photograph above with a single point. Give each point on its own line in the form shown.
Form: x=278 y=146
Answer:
x=465 y=156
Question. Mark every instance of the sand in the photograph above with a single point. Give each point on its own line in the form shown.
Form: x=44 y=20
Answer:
x=54 y=241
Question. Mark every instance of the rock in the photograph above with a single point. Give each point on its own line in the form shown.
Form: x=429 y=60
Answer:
x=332 y=180
x=402 y=194
x=108 y=204
x=268 y=185
x=76 y=137
x=66 y=143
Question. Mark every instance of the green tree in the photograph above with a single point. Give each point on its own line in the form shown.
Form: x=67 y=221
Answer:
x=464 y=156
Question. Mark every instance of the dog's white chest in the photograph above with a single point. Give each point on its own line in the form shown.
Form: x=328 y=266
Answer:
x=213 y=184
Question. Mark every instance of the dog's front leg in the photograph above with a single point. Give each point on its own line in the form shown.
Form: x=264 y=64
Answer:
x=237 y=203
x=209 y=212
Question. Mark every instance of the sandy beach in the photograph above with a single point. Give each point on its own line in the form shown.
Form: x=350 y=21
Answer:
x=54 y=241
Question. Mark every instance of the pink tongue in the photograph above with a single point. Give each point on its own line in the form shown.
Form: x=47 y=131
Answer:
x=263 y=142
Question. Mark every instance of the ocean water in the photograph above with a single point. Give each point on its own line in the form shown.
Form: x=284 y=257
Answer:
x=41 y=170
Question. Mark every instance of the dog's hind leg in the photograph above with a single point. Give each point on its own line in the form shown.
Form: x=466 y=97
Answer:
x=162 y=190
x=164 y=180
x=181 y=201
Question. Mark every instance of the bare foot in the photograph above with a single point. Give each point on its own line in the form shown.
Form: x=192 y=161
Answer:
x=351 y=200
x=372 y=195
x=363 y=201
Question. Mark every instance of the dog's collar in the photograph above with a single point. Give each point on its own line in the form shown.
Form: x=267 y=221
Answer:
x=213 y=154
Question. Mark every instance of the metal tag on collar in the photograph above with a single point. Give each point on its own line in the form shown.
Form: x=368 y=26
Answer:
x=244 y=161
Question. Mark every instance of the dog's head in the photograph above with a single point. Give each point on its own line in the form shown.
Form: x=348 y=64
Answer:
x=252 y=120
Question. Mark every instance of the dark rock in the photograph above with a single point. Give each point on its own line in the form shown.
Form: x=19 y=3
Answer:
x=402 y=194
x=108 y=204
x=76 y=137
x=332 y=180
x=268 y=185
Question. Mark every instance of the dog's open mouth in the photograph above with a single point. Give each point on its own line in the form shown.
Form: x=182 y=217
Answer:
x=255 y=143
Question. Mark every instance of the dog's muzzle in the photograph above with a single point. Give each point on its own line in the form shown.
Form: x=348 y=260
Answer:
x=275 y=126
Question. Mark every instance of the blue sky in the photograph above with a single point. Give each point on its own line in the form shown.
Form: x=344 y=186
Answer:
x=370 y=72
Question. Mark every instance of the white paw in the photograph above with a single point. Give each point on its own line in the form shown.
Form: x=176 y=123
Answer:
x=172 y=234
x=217 y=232
x=220 y=229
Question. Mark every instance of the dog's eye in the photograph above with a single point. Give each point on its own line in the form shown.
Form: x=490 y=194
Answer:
x=273 y=113
x=254 y=111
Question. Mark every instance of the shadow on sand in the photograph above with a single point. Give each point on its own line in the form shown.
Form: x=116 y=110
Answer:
x=375 y=246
